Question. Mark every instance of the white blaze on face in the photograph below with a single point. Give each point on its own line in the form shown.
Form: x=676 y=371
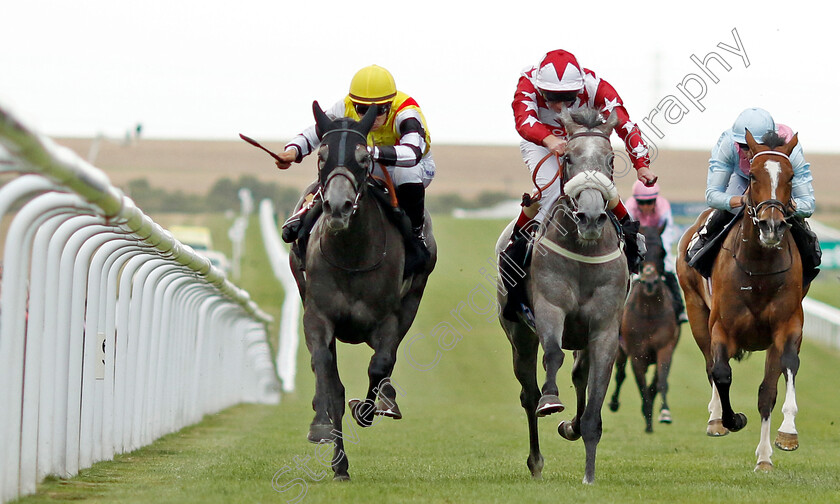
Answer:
x=773 y=169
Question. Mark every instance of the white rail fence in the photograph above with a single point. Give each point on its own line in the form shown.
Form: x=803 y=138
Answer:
x=112 y=333
x=290 y=320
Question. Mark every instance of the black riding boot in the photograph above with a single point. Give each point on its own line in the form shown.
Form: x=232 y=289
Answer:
x=513 y=265
x=703 y=248
x=674 y=287
x=634 y=244
x=412 y=199
x=809 y=249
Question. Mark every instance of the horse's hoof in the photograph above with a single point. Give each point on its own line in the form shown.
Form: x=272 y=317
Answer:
x=764 y=466
x=341 y=477
x=665 y=416
x=535 y=465
x=320 y=433
x=787 y=442
x=716 y=428
x=614 y=405
x=549 y=404
x=390 y=410
x=740 y=421
x=362 y=411
x=649 y=429
x=566 y=431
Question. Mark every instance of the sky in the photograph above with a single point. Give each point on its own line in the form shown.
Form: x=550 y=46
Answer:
x=210 y=69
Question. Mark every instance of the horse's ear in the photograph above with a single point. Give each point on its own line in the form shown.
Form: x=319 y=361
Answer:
x=568 y=123
x=368 y=118
x=752 y=143
x=321 y=119
x=612 y=122
x=788 y=147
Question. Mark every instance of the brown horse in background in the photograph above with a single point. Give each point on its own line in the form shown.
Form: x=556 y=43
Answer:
x=753 y=300
x=649 y=332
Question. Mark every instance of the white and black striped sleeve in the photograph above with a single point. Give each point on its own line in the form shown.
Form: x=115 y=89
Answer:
x=412 y=141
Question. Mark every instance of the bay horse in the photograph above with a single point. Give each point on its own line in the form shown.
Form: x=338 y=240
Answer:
x=649 y=332
x=577 y=282
x=753 y=299
x=355 y=289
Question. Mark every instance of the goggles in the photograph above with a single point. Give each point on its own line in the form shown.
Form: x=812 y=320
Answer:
x=381 y=109
x=645 y=202
x=559 y=96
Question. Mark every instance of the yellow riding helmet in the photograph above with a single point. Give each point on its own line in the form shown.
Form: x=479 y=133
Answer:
x=373 y=85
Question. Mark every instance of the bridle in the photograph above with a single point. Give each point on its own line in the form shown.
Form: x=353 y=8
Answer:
x=754 y=211
x=356 y=184
x=561 y=163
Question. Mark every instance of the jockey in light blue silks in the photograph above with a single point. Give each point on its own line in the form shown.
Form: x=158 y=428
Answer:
x=728 y=180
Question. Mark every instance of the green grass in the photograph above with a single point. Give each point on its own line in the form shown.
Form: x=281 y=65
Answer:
x=464 y=438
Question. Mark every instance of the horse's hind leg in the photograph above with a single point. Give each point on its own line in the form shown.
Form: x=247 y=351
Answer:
x=525 y=369
x=620 y=375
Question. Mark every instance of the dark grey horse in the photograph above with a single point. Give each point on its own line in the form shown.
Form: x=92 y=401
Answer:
x=577 y=284
x=355 y=289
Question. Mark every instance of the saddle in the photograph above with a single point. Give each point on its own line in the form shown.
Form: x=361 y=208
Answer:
x=707 y=240
x=416 y=256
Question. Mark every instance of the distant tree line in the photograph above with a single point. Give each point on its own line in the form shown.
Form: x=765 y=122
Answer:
x=224 y=195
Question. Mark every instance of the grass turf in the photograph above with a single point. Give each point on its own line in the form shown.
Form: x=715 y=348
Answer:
x=464 y=437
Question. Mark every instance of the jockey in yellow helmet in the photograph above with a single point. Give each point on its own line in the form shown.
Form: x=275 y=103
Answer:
x=399 y=142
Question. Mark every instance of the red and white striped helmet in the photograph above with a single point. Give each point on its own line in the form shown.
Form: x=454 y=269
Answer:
x=559 y=71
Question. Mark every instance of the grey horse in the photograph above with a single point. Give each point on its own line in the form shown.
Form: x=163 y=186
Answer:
x=355 y=288
x=577 y=283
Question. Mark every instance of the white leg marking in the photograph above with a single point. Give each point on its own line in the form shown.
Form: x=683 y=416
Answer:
x=715 y=409
x=765 y=448
x=774 y=169
x=789 y=408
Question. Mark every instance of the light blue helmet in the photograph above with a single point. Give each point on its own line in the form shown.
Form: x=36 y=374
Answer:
x=755 y=119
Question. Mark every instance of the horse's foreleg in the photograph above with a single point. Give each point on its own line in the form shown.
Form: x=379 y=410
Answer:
x=340 y=463
x=322 y=350
x=787 y=438
x=525 y=369
x=385 y=343
x=767 y=393
x=620 y=375
x=639 y=372
x=722 y=376
x=601 y=357
x=663 y=369
x=550 y=331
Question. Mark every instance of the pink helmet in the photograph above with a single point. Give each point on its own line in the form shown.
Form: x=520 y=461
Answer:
x=559 y=71
x=643 y=192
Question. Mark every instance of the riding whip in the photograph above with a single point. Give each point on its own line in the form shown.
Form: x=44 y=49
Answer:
x=257 y=144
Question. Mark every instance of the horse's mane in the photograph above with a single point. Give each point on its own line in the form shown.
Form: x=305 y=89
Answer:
x=772 y=139
x=588 y=117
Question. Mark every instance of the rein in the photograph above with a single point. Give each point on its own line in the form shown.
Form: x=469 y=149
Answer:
x=377 y=264
x=561 y=165
x=744 y=268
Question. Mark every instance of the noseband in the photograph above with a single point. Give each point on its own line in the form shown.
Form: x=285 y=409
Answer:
x=754 y=211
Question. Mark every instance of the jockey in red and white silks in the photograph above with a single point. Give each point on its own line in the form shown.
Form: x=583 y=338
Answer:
x=729 y=165
x=559 y=77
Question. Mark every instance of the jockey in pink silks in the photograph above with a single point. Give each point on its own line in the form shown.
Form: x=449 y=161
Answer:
x=651 y=209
